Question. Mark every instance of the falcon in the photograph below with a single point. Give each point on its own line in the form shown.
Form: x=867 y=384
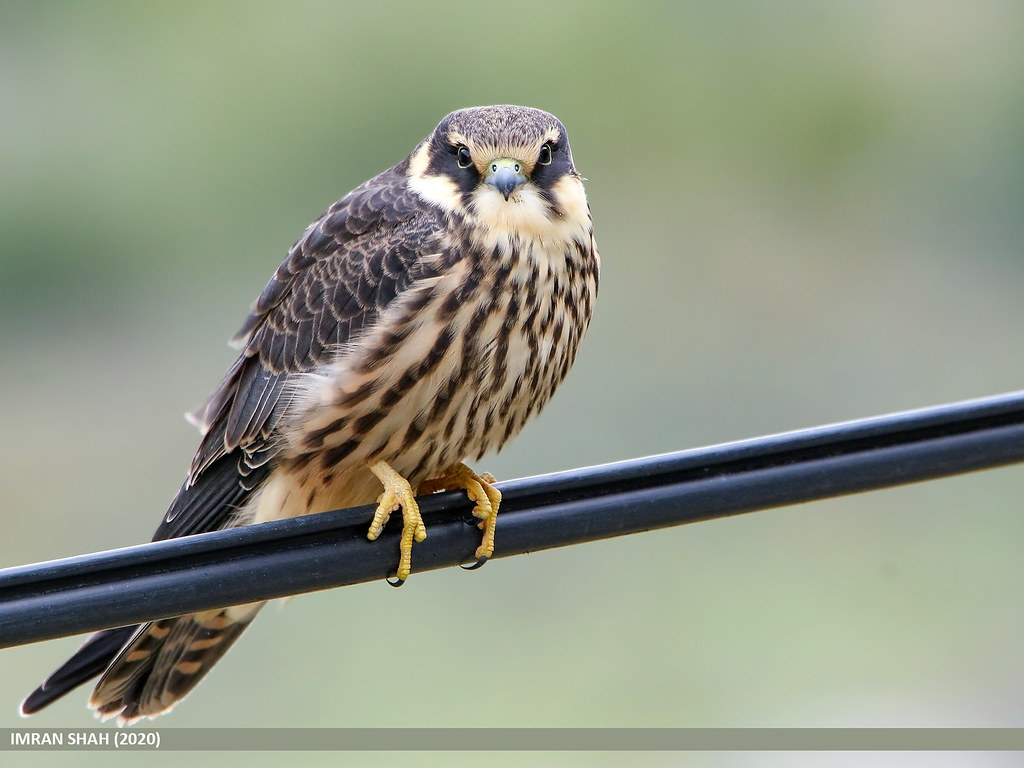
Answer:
x=420 y=322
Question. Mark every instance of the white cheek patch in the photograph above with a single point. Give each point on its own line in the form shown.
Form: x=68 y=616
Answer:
x=572 y=200
x=433 y=188
x=437 y=190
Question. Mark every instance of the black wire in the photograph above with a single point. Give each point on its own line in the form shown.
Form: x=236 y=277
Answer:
x=212 y=570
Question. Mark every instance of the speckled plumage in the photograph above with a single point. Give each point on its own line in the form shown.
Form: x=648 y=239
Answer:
x=419 y=322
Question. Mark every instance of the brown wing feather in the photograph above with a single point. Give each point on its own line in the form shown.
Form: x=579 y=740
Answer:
x=344 y=270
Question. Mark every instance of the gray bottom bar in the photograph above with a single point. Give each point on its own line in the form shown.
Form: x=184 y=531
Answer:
x=516 y=739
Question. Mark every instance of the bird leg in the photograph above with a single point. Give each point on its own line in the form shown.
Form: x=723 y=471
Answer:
x=397 y=493
x=480 y=490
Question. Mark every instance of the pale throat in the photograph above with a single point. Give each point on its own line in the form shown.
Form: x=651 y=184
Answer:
x=526 y=216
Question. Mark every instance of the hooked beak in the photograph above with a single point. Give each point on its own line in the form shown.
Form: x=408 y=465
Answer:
x=506 y=175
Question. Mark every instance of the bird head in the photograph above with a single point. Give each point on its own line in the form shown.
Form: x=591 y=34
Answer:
x=509 y=166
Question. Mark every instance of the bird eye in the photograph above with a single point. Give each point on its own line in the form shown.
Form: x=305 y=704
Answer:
x=465 y=159
x=545 y=154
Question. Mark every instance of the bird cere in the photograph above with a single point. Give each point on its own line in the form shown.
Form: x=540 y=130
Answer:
x=420 y=322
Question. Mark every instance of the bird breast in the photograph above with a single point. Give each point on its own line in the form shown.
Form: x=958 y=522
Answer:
x=455 y=366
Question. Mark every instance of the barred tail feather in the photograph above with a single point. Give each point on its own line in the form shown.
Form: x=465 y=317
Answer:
x=165 y=660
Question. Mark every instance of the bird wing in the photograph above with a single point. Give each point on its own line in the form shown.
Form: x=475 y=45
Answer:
x=347 y=267
x=339 y=276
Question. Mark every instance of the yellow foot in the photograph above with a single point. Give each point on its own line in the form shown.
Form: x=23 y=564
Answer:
x=397 y=494
x=479 y=488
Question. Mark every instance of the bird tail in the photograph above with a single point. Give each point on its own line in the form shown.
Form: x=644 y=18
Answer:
x=151 y=668
x=88 y=661
x=165 y=660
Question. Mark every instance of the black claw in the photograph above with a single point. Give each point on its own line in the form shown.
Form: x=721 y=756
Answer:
x=396 y=583
x=479 y=561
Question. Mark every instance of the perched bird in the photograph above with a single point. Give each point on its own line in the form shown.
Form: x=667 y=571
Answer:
x=418 y=323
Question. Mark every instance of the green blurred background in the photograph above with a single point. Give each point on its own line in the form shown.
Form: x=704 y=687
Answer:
x=807 y=212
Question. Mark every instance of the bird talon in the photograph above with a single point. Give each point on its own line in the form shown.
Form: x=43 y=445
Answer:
x=479 y=562
x=397 y=495
x=484 y=495
x=396 y=582
x=380 y=518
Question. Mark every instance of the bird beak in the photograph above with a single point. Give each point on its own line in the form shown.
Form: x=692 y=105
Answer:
x=506 y=175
